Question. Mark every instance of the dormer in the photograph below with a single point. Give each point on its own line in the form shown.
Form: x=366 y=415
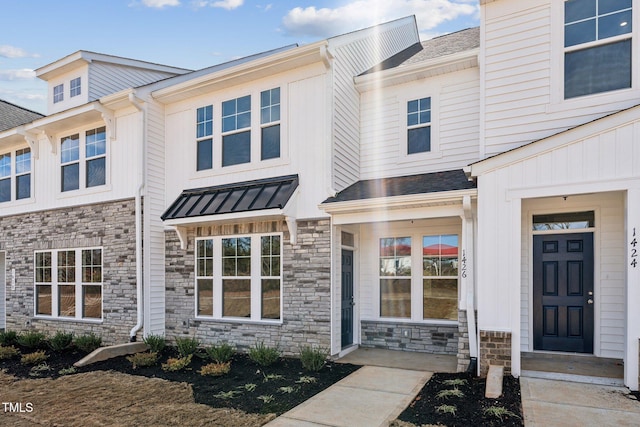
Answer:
x=87 y=76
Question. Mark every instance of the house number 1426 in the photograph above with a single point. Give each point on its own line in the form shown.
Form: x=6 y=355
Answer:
x=634 y=251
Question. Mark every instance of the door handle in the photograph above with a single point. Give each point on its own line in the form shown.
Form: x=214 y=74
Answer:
x=590 y=301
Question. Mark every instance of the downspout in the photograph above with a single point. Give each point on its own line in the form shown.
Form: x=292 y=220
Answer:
x=137 y=102
x=471 y=314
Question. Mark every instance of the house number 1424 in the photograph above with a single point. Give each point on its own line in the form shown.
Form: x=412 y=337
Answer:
x=634 y=251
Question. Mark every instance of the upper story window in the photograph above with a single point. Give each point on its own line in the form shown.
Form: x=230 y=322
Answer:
x=58 y=93
x=270 y=124
x=19 y=173
x=75 y=87
x=83 y=164
x=597 y=46
x=236 y=131
x=419 y=126
x=204 y=138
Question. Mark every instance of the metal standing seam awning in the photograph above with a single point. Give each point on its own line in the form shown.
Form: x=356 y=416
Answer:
x=229 y=200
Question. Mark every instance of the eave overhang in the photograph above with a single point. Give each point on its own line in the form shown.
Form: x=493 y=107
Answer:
x=246 y=72
x=417 y=71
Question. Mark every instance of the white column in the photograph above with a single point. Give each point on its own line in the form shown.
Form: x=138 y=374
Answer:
x=515 y=280
x=633 y=288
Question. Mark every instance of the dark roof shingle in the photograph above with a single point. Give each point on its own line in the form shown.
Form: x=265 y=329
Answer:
x=404 y=185
x=12 y=115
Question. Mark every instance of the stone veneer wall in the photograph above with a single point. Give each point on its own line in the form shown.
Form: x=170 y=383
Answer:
x=495 y=349
x=438 y=339
x=305 y=290
x=464 y=352
x=108 y=225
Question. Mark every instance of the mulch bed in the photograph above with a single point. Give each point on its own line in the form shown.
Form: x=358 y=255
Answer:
x=470 y=408
x=248 y=387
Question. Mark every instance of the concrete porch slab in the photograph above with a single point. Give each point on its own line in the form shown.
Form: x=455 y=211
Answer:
x=402 y=360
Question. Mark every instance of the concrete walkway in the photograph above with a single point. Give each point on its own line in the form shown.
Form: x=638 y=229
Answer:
x=371 y=396
x=551 y=403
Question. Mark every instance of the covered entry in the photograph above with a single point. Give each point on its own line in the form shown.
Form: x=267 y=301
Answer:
x=557 y=226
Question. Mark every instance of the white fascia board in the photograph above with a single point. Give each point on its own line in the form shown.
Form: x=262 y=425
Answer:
x=246 y=71
x=397 y=202
x=556 y=141
x=70 y=118
x=417 y=71
x=81 y=57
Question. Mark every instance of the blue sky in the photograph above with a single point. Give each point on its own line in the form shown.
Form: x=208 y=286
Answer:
x=190 y=34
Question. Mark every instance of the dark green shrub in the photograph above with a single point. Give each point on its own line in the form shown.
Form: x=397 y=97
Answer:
x=220 y=353
x=61 y=341
x=31 y=339
x=264 y=355
x=88 y=342
x=187 y=346
x=8 y=337
x=313 y=359
x=156 y=343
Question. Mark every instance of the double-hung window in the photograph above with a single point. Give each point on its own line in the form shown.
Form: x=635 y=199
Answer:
x=83 y=164
x=419 y=126
x=270 y=124
x=58 y=93
x=236 y=131
x=5 y=177
x=436 y=283
x=204 y=138
x=597 y=46
x=23 y=173
x=68 y=283
x=239 y=277
x=75 y=87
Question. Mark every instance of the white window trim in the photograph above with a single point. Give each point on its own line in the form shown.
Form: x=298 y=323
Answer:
x=71 y=87
x=78 y=286
x=14 y=179
x=434 y=153
x=61 y=94
x=82 y=159
x=416 y=276
x=557 y=101
x=256 y=278
x=255 y=162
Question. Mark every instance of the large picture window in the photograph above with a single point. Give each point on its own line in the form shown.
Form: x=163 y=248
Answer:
x=440 y=277
x=395 y=277
x=597 y=42
x=68 y=283
x=239 y=277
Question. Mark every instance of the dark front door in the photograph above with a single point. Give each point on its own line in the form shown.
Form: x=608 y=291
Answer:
x=563 y=292
x=347 y=298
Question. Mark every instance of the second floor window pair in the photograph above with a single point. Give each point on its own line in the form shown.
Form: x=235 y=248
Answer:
x=74 y=90
x=236 y=130
x=83 y=164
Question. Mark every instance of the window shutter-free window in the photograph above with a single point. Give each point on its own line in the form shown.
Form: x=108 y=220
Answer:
x=236 y=130
x=419 y=126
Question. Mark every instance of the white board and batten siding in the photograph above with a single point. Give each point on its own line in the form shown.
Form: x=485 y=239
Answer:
x=305 y=132
x=523 y=77
x=354 y=54
x=123 y=164
x=592 y=166
x=154 y=206
x=455 y=115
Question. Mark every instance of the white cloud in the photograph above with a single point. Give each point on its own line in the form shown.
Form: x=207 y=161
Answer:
x=7 y=51
x=223 y=4
x=228 y=4
x=159 y=4
x=325 y=22
x=11 y=75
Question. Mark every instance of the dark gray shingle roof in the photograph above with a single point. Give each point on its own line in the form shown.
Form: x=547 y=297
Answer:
x=245 y=196
x=12 y=115
x=404 y=185
x=436 y=47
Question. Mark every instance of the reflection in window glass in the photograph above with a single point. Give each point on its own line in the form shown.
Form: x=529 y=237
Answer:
x=564 y=221
x=440 y=277
x=236 y=298
x=395 y=263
